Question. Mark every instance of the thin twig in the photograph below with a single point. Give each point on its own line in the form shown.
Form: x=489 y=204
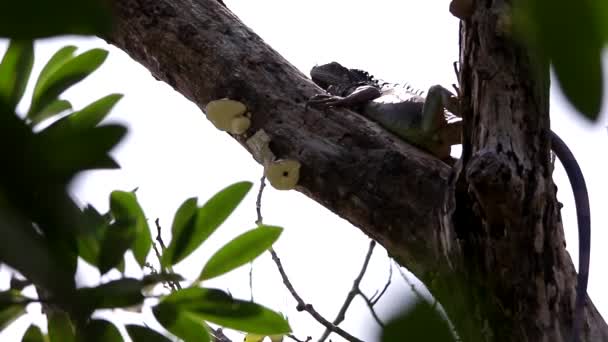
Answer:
x=175 y=285
x=258 y=202
x=375 y=299
x=251 y=280
x=258 y=221
x=353 y=291
x=302 y=306
x=218 y=335
x=370 y=305
x=293 y=337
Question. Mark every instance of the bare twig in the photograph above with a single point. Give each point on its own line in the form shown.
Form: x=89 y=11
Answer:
x=175 y=285
x=370 y=305
x=258 y=221
x=218 y=335
x=374 y=299
x=251 y=280
x=293 y=337
x=258 y=202
x=302 y=306
x=353 y=291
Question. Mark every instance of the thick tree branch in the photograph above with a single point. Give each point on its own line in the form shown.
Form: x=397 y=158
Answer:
x=390 y=190
x=504 y=209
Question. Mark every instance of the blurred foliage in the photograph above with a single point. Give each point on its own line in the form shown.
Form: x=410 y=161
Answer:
x=419 y=322
x=44 y=231
x=29 y=19
x=570 y=35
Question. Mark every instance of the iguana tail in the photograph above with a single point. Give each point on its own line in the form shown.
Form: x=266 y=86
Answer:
x=583 y=217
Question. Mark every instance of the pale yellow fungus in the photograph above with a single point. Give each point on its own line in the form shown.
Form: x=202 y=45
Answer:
x=283 y=174
x=222 y=113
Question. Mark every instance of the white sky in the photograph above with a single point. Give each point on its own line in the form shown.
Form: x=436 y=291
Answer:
x=172 y=152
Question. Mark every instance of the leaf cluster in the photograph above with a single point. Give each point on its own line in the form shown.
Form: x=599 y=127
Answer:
x=45 y=232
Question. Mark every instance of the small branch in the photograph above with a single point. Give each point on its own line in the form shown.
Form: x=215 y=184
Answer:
x=370 y=305
x=308 y=338
x=302 y=306
x=258 y=202
x=375 y=299
x=175 y=285
x=353 y=291
x=251 y=280
x=218 y=335
x=258 y=221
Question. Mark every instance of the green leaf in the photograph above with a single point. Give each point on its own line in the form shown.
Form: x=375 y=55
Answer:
x=91 y=115
x=15 y=71
x=116 y=241
x=70 y=152
x=64 y=76
x=24 y=249
x=240 y=251
x=84 y=119
x=420 y=322
x=58 y=59
x=60 y=327
x=99 y=330
x=89 y=242
x=33 y=334
x=38 y=19
x=183 y=221
x=10 y=307
x=54 y=108
x=145 y=334
x=208 y=218
x=156 y=278
x=181 y=324
x=119 y=293
x=577 y=64
x=125 y=208
x=218 y=307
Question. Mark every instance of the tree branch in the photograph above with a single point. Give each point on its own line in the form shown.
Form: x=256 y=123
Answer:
x=389 y=189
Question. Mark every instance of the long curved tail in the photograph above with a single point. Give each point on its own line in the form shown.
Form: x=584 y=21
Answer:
x=583 y=217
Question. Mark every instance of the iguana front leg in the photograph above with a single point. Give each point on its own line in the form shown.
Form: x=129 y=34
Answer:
x=437 y=100
x=361 y=95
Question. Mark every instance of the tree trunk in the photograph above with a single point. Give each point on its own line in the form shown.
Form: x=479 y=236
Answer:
x=453 y=228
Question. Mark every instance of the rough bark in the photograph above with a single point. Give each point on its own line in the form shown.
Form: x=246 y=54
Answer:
x=391 y=191
x=505 y=209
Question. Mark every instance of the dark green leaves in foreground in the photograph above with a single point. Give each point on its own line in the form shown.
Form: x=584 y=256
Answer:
x=573 y=49
x=193 y=225
x=145 y=334
x=125 y=209
x=100 y=330
x=33 y=334
x=419 y=322
x=240 y=251
x=65 y=71
x=177 y=311
x=43 y=18
x=10 y=308
x=15 y=71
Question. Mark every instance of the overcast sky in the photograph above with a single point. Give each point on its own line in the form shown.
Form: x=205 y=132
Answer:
x=172 y=152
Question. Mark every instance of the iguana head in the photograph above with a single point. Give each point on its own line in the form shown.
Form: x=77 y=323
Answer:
x=334 y=74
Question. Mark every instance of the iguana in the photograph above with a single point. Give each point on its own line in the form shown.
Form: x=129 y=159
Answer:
x=423 y=122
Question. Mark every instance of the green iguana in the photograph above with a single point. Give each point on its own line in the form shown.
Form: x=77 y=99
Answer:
x=423 y=122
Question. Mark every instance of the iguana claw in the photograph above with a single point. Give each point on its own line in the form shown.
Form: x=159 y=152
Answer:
x=325 y=100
